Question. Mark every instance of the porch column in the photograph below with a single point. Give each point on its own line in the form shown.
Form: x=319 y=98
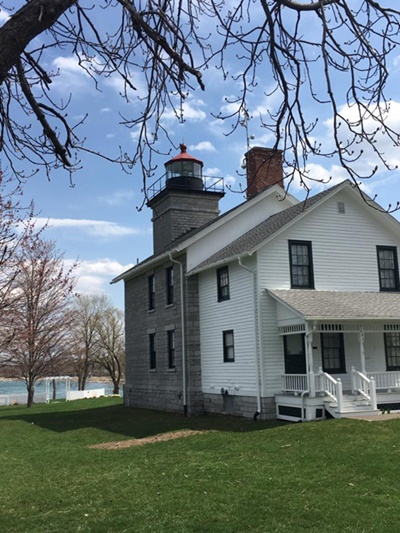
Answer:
x=309 y=360
x=361 y=337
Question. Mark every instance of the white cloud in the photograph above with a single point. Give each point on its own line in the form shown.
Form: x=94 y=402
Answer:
x=213 y=171
x=94 y=228
x=71 y=74
x=4 y=16
x=321 y=177
x=117 y=198
x=134 y=135
x=230 y=181
x=105 y=110
x=95 y=276
x=386 y=146
x=116 y=83
x=192 y=111
x=203 y=146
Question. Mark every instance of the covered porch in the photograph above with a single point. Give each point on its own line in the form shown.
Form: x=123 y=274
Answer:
x=341 y=353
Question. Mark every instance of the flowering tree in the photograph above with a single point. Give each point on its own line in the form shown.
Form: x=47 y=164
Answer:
x=16 y=227
x=42 y=315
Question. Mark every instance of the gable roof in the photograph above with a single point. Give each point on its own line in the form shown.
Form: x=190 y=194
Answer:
x=340 y=305
x=253 y=239
x=181 y=243
x=256 y=236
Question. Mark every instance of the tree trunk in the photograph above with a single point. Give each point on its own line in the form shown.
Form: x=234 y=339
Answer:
x=116 y=388
x=31 y=392
x=54 y=389
x=82 y=378
x=21 y=28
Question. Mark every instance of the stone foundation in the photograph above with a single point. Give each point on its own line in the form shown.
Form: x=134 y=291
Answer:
x=244 y=406
x=162 y=400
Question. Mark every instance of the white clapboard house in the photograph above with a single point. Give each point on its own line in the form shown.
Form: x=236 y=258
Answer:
x=280 y=308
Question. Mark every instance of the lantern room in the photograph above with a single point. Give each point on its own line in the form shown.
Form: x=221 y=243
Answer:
x=184 y=171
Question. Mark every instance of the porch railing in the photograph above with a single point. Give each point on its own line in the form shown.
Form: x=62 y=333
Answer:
x=364 y=385
x=331 y=387
x=294 y=382
x=385 y=380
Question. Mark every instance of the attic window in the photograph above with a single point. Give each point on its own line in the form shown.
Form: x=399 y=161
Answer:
x=341 y=208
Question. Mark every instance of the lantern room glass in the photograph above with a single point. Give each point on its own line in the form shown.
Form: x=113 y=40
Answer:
x=187 y=168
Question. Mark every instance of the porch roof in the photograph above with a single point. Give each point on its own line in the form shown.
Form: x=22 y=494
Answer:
x=340 y=305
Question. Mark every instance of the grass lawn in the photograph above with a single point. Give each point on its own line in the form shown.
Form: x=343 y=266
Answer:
x=241 y=476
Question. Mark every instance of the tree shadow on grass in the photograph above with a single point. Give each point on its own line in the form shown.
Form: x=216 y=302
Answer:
x=126 y=422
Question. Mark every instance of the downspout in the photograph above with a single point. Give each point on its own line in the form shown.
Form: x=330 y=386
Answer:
x=256 y=355
x=303 y=394
x=183 y=331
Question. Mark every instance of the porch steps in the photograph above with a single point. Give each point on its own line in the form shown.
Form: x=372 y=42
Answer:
x=351 y=406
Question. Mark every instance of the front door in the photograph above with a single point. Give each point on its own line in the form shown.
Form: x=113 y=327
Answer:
x=295 y=355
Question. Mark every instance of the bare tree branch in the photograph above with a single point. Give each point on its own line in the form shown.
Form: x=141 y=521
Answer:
x=340 y=69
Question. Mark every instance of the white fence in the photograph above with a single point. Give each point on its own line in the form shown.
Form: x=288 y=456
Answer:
x=21 y=399
x=82 y=394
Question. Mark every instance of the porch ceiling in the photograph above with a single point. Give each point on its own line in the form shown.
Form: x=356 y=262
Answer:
x=340 y=305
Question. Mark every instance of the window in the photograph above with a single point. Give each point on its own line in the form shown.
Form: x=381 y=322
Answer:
x=171 y=348
x=169 y=285
x=295 y=354
x=152 y=351
x=332 y=349
x=223 y=283
x=301 y=265
x=341 y=207
x=229 y=347
x=392 y=350
x=388 y=268
x=151 y=286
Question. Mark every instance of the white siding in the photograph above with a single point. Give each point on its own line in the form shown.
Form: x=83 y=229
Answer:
x=242 y=220
x=237 y=314
x=344 y=258
x=343 y=247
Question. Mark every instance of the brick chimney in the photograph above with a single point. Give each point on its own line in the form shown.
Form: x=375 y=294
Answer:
x=263 y=169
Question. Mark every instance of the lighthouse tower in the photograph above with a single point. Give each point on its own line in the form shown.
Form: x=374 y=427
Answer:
x=182 y=202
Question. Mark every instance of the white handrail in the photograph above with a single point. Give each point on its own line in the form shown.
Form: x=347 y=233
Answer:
x=364 y=385
x=332 y=388
x=386 y=380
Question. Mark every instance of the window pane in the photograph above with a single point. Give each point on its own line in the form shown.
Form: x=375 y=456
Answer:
x=223 y=283
x=392 y=348
x=294 y=344
x=169 y=280
x=171 y=348
x=301 y=264
x=228 y=344
x=332 y=347
x=152 y=351
x=151 y=291
x=387 y=266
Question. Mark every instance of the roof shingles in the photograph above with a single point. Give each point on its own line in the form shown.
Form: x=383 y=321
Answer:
x=341 y=305
x=254 y=237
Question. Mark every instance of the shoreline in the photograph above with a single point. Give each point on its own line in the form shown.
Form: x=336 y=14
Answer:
x=103 y=380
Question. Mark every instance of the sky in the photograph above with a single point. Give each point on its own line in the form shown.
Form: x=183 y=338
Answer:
x=96 y=219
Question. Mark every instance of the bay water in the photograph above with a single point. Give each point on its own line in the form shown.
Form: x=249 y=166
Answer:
x=11 y=387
